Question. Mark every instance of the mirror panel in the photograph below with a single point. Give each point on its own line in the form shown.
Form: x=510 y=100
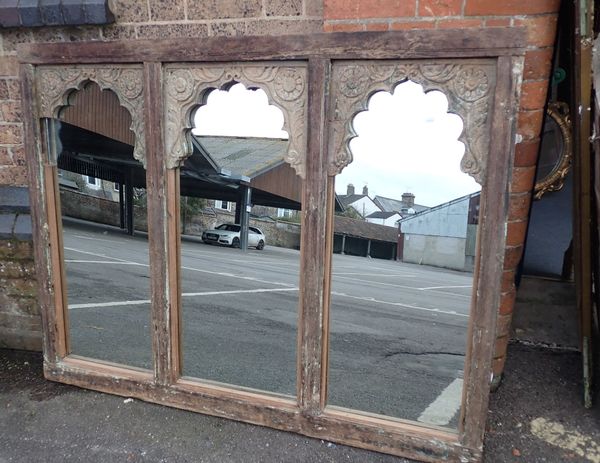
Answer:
x=240 y=293
x=404 y=247
x=104 y=229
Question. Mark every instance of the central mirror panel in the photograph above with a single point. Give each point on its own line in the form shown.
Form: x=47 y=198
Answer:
x=240 y=238
x=404 y=248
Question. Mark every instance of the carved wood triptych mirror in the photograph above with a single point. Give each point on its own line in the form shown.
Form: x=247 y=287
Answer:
x=367 y=319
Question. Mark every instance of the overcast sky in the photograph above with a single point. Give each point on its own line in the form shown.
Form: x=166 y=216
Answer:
x=407 y=142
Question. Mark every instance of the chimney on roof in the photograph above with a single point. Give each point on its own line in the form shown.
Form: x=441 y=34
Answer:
x=350 y=189
x=365 y=191
x=408 y=199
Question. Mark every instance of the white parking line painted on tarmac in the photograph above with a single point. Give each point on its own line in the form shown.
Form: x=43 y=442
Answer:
x=240 y=291
x=111 y=262
x=96 y=254
x=441 y=411
x=403 y=275
x=94 y=305
x=413 y=288
x=428 y=288
x=400 y=304
x=93 y=239
x=239 y=277
x=226 y=274
x=567 y=439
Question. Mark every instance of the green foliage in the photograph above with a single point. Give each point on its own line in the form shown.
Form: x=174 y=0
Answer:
x=190 y=206
x=350 y=212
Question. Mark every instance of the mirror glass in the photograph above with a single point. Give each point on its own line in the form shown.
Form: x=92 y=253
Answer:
x=551 y=151
x=105 y=246
x=404 y=248
x=240 y=239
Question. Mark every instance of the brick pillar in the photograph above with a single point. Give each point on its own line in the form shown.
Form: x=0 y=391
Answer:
x=539 y=17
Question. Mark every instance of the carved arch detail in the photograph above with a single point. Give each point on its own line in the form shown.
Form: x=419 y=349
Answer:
x=56 y=83
x=468 y=86
x=187 y=87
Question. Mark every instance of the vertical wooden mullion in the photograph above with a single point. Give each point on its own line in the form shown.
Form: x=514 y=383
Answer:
x=327 y=288
x=492 y=236
x=53 y=332
x=174 y=265
x=313 y=247
x=158 y=225
x=59 y=277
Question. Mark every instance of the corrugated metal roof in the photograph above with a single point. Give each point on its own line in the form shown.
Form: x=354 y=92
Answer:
x=247 y=156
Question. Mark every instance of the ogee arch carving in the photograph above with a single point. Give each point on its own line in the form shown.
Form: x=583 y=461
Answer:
x=56 y=83
x=187 y=87
x=468 y=85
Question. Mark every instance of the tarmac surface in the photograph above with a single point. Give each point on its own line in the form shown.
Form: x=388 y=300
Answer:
x=538 y=402
x=398 y=331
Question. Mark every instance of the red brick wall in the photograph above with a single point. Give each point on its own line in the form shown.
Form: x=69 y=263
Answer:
x=540 y=19
x=187 y=18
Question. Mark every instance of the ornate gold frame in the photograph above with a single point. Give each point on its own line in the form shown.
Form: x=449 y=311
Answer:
x=555 y=180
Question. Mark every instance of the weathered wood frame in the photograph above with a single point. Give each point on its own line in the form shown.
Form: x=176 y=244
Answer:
x=308 y=414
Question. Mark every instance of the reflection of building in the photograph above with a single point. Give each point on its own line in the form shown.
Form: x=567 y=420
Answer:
x=384 y=218
x=361 y=203
x=359 y=238
x=442 y=236
x=379 y=210
x=403 y=207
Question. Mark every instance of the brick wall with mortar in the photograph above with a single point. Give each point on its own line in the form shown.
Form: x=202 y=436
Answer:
x=186 y=18
x=19 y=315
x=540 y=19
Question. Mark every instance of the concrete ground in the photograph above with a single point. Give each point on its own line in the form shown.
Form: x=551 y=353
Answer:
x=535 y=416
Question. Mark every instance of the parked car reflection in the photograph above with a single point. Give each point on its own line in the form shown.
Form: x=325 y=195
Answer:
x=228 y=234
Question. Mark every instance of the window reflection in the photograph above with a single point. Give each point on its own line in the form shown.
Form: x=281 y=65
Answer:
x=105 y=246
x=239 y=258
x=404 y=249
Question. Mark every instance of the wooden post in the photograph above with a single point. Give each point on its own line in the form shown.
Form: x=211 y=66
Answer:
x=312 y=273
x=129 y=202
x=121 y=205
x=245 y=216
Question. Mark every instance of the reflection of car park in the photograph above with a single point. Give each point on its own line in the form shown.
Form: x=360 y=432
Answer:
x=229 y=234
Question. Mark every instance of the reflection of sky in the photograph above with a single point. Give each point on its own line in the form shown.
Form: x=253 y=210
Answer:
x=407 y=142
x=239 y=112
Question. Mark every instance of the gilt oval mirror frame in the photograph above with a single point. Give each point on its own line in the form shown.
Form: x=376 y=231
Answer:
x=556 y=150
x=479 y=71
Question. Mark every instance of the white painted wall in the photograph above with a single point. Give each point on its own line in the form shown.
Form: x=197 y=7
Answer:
x=390 y=221
x=449 y=221
x=437 y=251
x=365 y=206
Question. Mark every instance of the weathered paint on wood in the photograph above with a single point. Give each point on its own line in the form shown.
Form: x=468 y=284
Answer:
x=448 y=43
x=312 y=242
x=309 y=414
x=490 y=261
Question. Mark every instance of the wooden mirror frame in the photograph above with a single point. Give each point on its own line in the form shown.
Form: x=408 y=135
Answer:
x=308 y=413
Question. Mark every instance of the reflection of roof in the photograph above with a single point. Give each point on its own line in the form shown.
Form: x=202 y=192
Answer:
x=346 y=200
x=361 y=229
x=439 y=206
x=395 y=205
x=381 y=215
x=247 y=156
